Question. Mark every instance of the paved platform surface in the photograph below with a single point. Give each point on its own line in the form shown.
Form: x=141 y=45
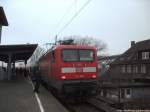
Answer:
x=49 y=102
x=18 y=96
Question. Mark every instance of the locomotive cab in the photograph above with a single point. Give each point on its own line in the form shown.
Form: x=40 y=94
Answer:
x=78 y=70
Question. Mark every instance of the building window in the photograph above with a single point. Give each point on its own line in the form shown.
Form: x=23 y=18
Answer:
x=122 y=93
x=135 y=56
x=123 y=69
x=143 y=68
x=135 y=69
x=145 y=55
x=129 y=69
x=127 y=92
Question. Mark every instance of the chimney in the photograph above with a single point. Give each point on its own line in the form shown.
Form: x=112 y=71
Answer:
x=132 y=43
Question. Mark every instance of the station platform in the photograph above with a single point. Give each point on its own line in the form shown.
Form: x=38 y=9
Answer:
x=18 y=96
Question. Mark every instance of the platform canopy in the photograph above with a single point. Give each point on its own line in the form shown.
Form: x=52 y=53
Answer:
x=20 y=52
x=3 y=19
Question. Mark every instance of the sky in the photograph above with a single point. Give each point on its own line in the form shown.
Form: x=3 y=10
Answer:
x=116 y=22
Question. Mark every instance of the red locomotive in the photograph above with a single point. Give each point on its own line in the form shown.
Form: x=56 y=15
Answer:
x=70 y=69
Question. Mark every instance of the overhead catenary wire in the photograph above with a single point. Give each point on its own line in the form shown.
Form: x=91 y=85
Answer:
x=73 y=17
x=66 y=12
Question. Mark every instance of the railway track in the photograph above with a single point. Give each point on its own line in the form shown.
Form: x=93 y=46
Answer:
x=84 y=107
x=91 y=105
x=101 y=105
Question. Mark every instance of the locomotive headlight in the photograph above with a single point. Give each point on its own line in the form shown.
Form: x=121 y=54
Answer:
x=63 y=77
x=93 y=76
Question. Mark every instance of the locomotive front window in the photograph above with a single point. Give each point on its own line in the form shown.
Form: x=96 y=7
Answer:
x=86 y=55
x=70 y=55
x=77 y=55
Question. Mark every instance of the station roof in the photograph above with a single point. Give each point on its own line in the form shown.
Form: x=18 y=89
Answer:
x=3 y=19
x=18 y=52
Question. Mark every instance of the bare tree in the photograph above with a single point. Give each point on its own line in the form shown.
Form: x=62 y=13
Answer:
x=88 y=40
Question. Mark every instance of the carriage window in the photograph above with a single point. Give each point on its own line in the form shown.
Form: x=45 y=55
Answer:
x=70 y=55
x=86 y=55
